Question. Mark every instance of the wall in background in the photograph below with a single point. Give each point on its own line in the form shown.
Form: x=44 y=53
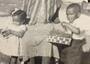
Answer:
x=6 y=5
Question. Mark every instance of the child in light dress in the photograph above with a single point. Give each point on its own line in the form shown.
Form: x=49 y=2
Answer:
x=13 y=34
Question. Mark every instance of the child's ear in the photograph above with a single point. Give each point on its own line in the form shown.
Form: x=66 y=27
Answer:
x=78 y=15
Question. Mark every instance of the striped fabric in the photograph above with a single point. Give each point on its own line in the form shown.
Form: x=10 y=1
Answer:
x=37 y=8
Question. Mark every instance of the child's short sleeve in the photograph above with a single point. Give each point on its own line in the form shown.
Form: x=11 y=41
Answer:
x=17 y=28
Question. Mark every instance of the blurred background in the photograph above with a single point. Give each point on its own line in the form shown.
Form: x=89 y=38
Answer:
x=6 y=5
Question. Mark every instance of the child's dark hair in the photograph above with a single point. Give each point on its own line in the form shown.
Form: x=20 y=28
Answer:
x=21 y=14
x=76 y=6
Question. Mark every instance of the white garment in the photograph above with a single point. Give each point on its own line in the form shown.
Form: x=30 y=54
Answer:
x=35 y=40
x=4 y=22
x=83 y=23
x=12 y=45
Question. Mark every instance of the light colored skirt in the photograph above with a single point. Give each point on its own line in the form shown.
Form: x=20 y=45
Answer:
x=10 y=47
x=35 y=41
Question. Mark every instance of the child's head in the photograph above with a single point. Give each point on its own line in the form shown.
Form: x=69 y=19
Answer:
x=19 y=17
x=73 y=11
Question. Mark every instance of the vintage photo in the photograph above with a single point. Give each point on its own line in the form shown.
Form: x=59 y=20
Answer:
x=44 y=31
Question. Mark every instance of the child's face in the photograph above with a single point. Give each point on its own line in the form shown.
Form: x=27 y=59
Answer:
x=71 y=14
x=16 y=20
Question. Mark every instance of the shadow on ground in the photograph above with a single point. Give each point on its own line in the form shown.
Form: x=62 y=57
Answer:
x=85 y=59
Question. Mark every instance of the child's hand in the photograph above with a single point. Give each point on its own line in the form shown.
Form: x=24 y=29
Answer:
x=64 y=23
x=6 y=33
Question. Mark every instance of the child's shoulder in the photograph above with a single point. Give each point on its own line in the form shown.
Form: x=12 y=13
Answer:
x=17 y=28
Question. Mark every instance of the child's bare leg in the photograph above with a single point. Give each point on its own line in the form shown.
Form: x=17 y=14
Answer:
x=32 y=61
x=13 y=60
x=27 y=60
x=24 y=60
x=45 y=60
x=56 y=61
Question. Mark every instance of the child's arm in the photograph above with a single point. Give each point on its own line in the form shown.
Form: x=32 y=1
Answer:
x=21 y=32
x=72 y=28
x=18 y=33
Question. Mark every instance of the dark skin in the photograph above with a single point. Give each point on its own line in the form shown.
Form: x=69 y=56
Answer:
x=72 y=28
x=71 y=16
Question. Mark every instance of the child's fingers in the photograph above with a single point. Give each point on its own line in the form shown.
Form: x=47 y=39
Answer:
x=5 y=34
x=63 y=25
x=5 y=31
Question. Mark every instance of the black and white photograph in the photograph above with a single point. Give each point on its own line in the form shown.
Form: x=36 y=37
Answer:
x=44 y=32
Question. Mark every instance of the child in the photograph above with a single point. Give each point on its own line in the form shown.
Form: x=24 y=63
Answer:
x=14 y=32
x=77 y=26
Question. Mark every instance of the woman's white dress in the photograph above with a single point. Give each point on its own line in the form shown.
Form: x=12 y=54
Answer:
x=35 y=41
